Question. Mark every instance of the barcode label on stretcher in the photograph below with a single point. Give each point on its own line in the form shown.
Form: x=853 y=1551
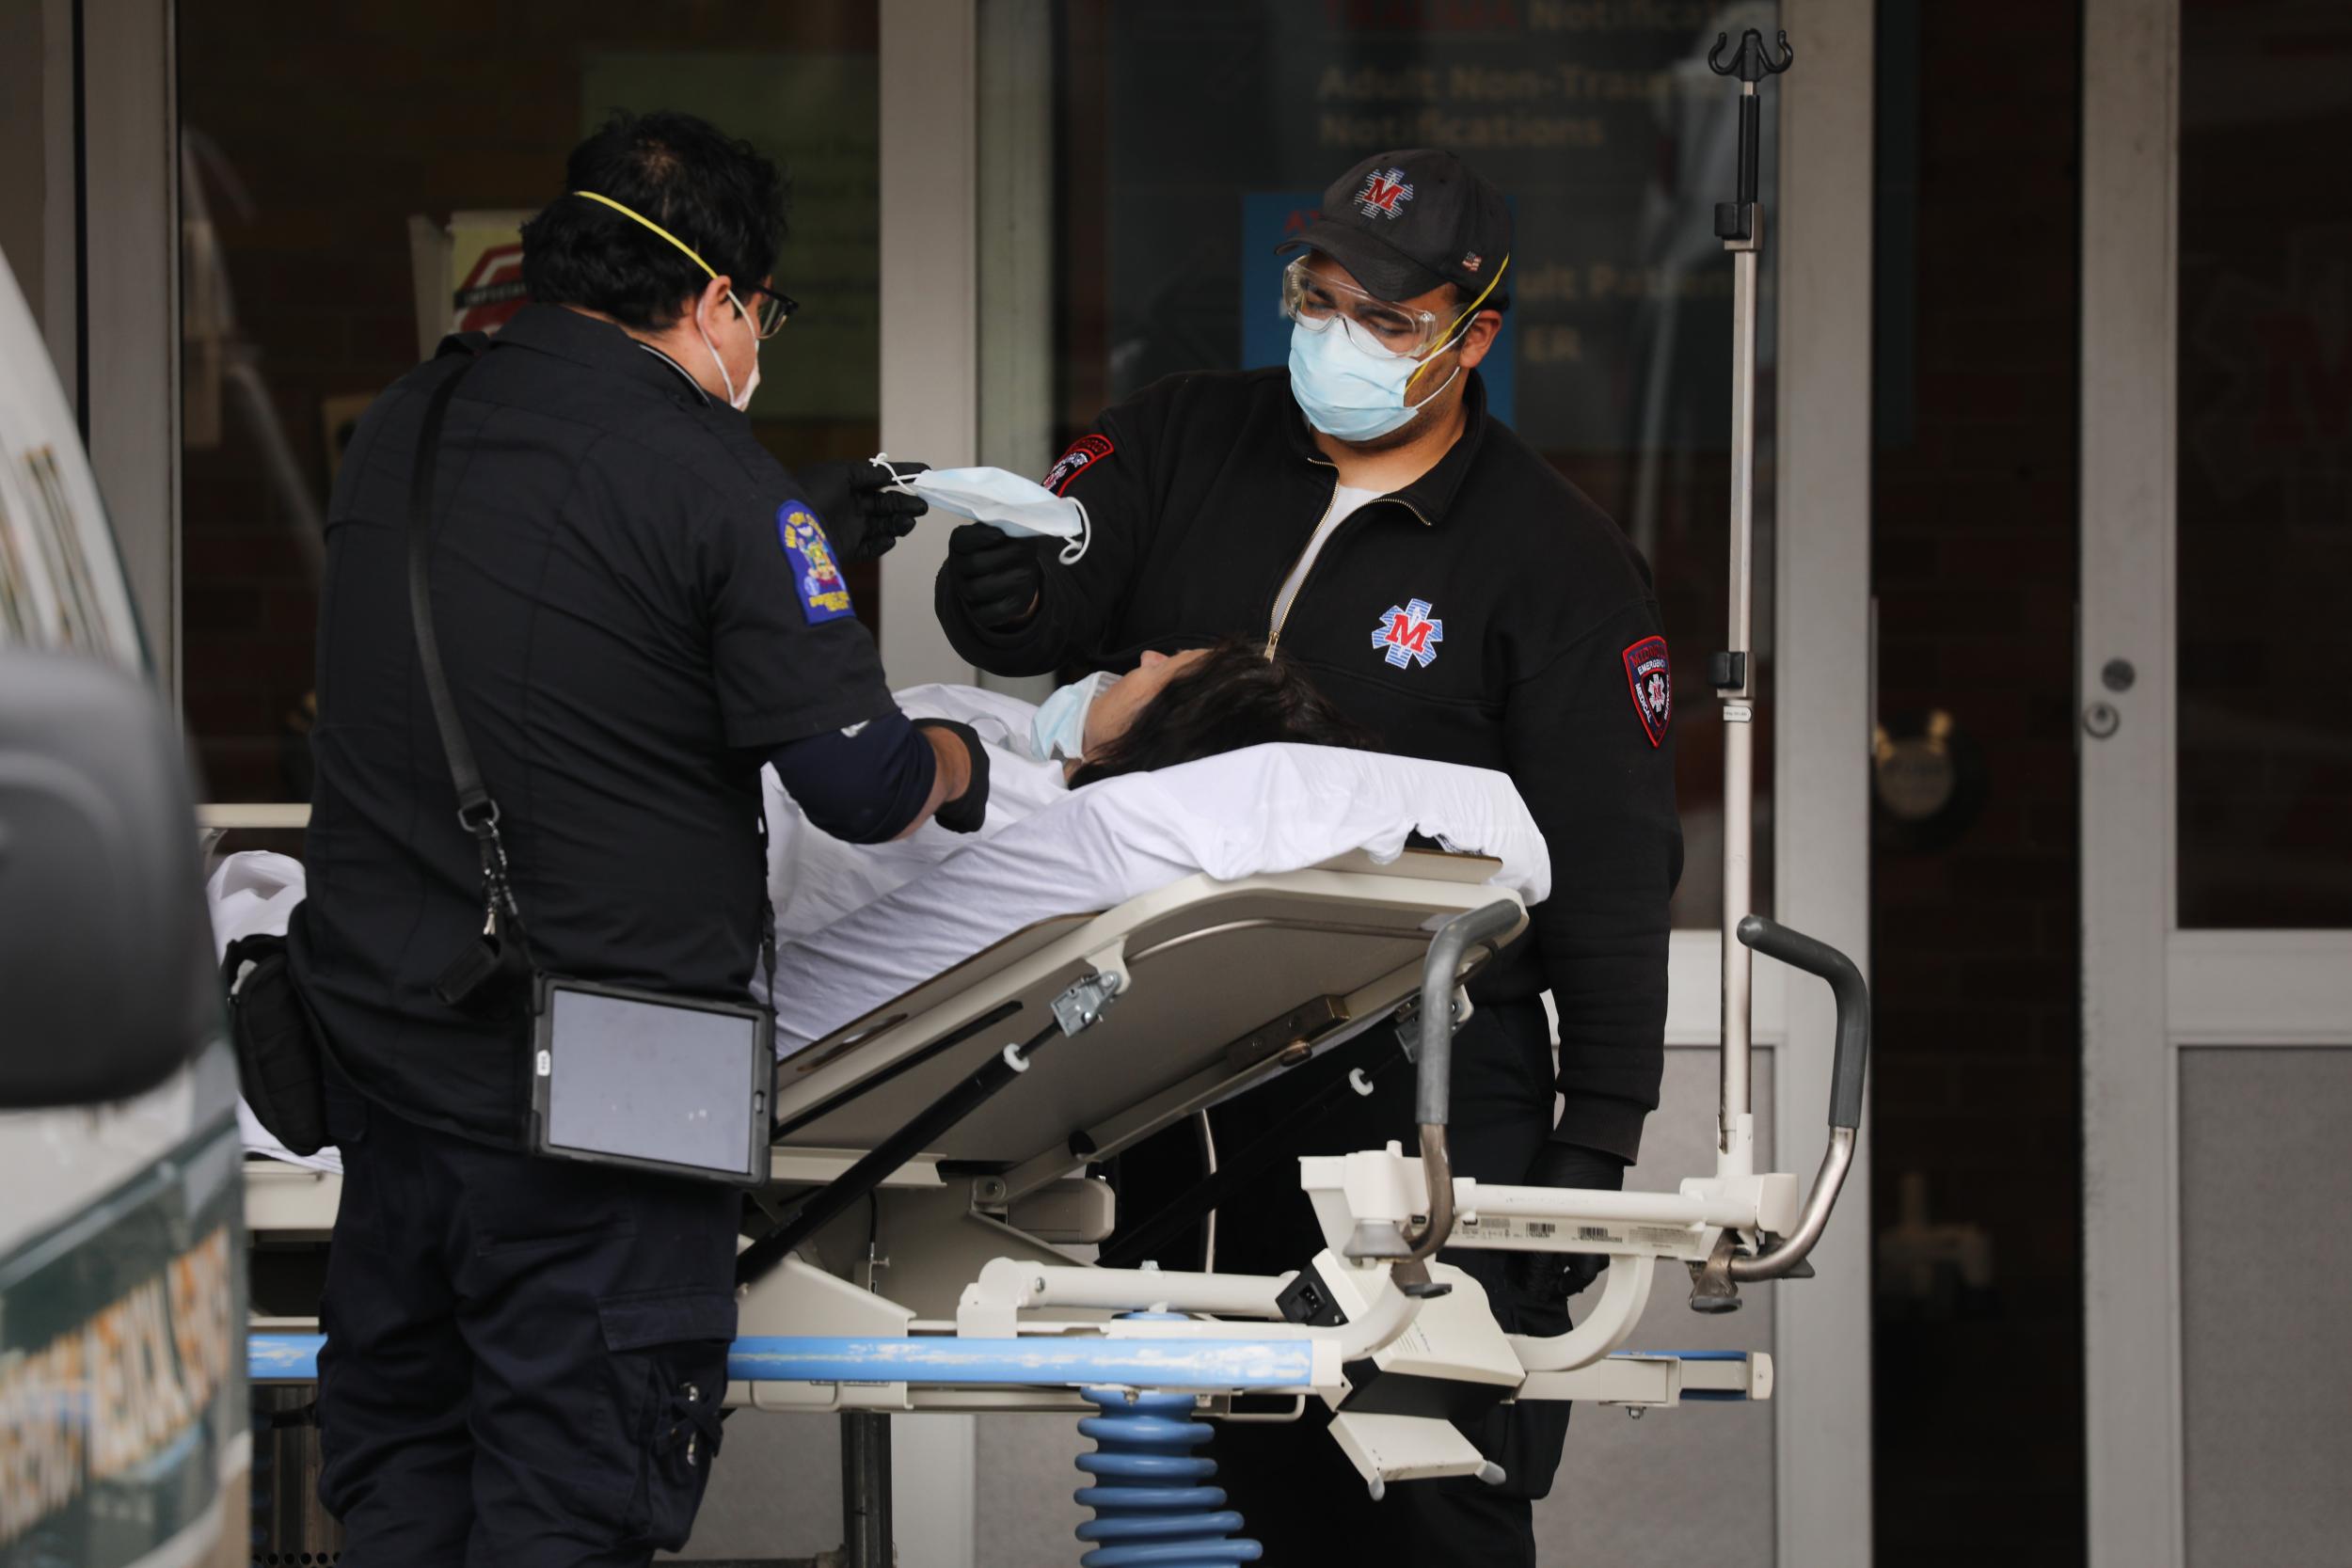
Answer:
x=1502 y=1228
x=1505 y=1229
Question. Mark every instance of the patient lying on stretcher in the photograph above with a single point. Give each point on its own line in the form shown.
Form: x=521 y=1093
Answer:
x=1172 y=708
x=1179 y=771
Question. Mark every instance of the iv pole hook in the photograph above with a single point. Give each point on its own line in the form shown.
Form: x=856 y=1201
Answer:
x=1751 y=62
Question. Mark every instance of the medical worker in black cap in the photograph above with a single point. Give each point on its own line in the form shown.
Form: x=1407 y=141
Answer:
x=1447 y=587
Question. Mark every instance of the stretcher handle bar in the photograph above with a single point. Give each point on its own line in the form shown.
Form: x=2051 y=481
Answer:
x=1791 y=1249
x=1847 y=1071
x=1853 y=994
x=1487 y=925
x=1423 y=1239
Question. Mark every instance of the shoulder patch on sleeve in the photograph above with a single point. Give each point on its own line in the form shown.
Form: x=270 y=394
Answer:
x=1651 y=679
x=1083 y=452
x=816 y=576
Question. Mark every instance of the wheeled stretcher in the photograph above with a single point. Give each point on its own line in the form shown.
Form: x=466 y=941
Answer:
x=921 y=1237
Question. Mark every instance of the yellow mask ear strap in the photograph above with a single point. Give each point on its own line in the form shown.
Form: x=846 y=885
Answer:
x=639 y=218
x=1492 y=284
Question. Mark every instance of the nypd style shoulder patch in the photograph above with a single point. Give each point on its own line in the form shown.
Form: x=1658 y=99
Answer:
x=815 y=576
x=1408 y=634
x=1084 y=453
x=1651 y=679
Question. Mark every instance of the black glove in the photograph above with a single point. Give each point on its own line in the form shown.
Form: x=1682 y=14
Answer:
x=996 y=576
x=1558 y=1276
x=968 y=810
x=861 y=518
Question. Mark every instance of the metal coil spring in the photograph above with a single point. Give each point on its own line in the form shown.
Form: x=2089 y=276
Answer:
x=1153 y=1505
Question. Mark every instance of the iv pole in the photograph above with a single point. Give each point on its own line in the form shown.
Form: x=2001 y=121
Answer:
x=1739 y=223
x=1715 y=1284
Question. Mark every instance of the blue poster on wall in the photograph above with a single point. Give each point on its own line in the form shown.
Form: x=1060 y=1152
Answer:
x=1268 y=218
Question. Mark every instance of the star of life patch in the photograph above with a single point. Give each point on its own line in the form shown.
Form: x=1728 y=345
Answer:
x=816 y=576
x=1083 y=452
x=1409 y=635
x=1650 y=678
x=1383 y=193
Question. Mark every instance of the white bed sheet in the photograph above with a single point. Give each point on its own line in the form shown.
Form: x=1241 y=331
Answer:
x=934 y=900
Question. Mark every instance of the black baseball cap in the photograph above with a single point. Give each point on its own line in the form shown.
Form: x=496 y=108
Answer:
x=1403 y=223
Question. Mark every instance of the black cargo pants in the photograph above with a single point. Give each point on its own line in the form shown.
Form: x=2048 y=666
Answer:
x=524 y=1359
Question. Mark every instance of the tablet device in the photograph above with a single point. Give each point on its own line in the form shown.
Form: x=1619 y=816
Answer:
x=653 y=1083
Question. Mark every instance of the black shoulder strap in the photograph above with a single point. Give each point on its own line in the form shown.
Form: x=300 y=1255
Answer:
x=477 y=812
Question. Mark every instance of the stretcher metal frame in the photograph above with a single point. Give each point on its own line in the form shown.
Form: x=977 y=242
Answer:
x=900 y=1279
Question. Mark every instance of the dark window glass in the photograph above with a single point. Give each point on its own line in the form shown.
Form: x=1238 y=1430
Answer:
x=323 y=152
x=2265 y=464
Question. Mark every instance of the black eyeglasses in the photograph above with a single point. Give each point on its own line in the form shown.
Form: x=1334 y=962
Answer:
x=768 y=309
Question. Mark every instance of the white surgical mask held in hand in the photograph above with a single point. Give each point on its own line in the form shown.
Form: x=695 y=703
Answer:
x=1059 y=729
x=1001 y=500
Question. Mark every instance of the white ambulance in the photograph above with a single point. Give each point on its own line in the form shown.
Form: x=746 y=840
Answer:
x=123 y=1415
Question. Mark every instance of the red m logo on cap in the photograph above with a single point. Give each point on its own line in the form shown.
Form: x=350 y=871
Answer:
x=1382 y=192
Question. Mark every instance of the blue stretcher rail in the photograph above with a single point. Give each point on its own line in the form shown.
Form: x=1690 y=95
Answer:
x=943 y=1360
x=946 y=1361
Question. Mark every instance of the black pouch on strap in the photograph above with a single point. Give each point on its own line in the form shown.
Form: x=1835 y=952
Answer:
x=278 y=1052
x=491 y=979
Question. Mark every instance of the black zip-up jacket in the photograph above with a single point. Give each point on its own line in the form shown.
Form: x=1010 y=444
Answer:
x=1487 y=613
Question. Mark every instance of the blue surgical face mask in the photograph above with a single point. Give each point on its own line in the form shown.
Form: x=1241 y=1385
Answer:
x=1059 y=729
x=1348 y=390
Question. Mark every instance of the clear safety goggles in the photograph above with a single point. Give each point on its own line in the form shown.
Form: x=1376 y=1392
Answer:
x=1382 y=327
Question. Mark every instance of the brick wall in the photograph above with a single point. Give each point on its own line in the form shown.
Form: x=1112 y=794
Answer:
x=337 y=123
x=1976 y=945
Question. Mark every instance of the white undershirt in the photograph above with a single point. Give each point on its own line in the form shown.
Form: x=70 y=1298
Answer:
x=1344 y=501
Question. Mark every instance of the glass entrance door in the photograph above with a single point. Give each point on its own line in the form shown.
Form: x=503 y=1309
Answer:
x=2217 y=769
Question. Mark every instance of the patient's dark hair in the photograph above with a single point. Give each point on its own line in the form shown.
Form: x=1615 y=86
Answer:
x=1237 y=696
